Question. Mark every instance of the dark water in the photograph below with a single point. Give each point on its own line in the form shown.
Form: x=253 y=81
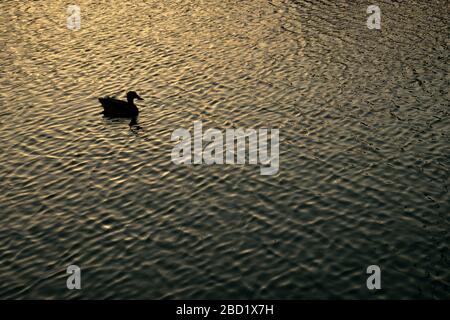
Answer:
x=364 y=152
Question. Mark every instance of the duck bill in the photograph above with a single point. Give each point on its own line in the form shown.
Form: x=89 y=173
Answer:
x=139 y=98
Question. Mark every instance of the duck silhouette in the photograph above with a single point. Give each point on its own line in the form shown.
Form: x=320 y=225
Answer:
x=115 y=108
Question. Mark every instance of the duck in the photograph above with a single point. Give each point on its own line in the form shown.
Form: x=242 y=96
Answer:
x=120 y=109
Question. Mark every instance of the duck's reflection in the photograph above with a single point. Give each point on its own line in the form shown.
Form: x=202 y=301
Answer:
x=133 y=122
x=134 y=126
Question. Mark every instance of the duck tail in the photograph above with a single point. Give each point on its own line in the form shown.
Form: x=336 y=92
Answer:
x=102 y=102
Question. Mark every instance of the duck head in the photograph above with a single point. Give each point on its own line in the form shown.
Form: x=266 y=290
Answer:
x=131 y=95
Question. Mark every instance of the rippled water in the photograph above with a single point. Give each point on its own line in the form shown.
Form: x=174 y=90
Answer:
x=364 y=149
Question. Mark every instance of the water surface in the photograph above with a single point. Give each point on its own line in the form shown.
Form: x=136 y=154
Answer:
x=364 y=152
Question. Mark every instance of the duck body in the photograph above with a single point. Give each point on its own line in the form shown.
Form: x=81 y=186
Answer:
x=115 y=108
